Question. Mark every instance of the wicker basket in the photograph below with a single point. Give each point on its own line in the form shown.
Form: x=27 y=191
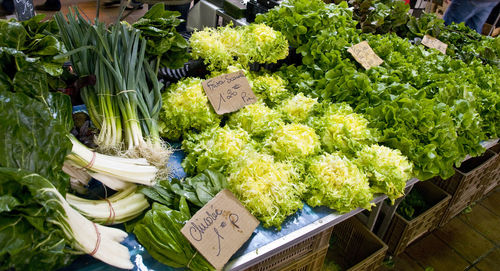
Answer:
x=355 y=247
x=494 y=178
x=303 y=256
x=402 y=232
x=467 y=185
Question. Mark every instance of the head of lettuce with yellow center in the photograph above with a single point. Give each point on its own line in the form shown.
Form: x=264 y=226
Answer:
x=270 y=190
x=185 y=107
x=293 y=141
x=216 y=148
x=336 y=182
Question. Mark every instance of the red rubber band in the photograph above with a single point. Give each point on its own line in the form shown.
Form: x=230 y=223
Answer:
x=91 y=163
x=98 y=242
x=112 y=214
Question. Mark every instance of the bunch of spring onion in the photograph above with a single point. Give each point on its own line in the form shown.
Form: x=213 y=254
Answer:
x=125 y=101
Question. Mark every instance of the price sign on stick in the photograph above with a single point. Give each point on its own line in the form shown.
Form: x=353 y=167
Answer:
x=220 y=228
x=229 y=92
x=432 y=42
x=365 y=55
x=24 y=9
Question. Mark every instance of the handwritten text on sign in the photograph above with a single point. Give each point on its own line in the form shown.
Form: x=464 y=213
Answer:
x=24 y=9
x=365 y=55
x=229 y=92
x=220 y=228
x=432 y=42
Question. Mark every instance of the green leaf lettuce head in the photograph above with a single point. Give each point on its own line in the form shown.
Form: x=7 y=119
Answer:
x=271 y=88
x=336 y=182
x=257 y=119
x=215 y=148
x=423 y=130
x=160 y=233
x=342 y=129
x=387 y=169
x=298 y=108
x=185 y=107
x=270 y=190
x=293 y=141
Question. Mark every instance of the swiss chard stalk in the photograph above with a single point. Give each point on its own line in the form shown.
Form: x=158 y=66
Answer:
x=81 y=234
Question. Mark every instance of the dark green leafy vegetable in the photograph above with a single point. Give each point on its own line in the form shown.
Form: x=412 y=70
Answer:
x=413 y=205
x=164 y=43
x=160 y=233
x=37 y=39
x=198 y=190
x=32 y=223
x=380 y=16
x=35 y=134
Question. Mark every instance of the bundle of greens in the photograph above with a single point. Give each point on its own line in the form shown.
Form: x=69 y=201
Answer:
x=36 y=39
x=122 y=206
x=186 y=108
x=41 y=230
x=164 y=45
x=423 y=130
x=387 y=170
x=413 y=205
x=216 y=148
x=270 y=190
x=336 y=182
x=228 y=45
x=160 y=233
x=197 y=190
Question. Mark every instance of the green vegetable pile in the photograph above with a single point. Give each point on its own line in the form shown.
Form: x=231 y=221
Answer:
x=159 y=232
x=277 y=154
x=225 y=46
x=164 y=45
x=435 y=109
x=380 y=16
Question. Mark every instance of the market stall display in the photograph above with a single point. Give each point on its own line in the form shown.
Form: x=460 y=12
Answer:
x=324 y=139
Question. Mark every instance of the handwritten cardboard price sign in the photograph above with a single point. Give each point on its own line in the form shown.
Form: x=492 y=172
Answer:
x=24 y=9
x=220 y=228
x=365 y=55
x=432 y=42
x=229 y=92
